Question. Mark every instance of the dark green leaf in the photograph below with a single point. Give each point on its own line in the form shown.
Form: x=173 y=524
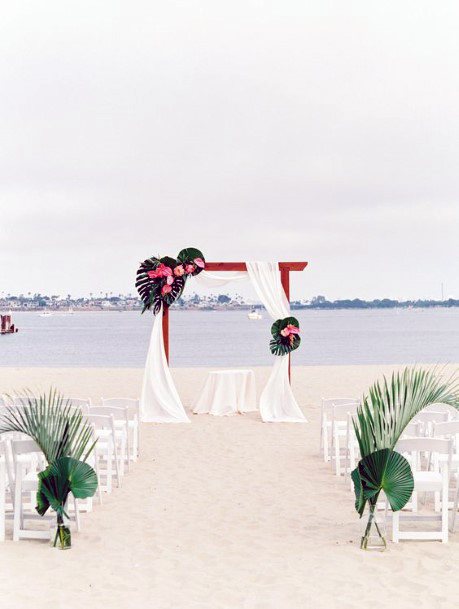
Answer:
x=384 y=470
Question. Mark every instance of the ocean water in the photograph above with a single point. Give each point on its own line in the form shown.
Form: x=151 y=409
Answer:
x=228 y=338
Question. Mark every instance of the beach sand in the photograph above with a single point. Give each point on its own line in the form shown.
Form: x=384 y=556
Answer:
x=224 y=513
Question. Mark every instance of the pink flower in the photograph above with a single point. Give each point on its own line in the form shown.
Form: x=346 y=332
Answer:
x=199 y=262
x=170 y=280
x=179 y=270
x=166 y=289
x=190 y=268
x=165 y=270
x=290 y=329
x=161 y=271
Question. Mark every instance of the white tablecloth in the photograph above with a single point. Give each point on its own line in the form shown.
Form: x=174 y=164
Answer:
x=227 y=392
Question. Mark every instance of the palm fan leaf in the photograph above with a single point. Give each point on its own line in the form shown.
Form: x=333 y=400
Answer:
x=384 y=470
x=391 y=404
x=63 y=476
x=52 y=422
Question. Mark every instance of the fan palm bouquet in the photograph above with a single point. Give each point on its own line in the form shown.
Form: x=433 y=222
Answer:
x=66 y=439
x=380 y=421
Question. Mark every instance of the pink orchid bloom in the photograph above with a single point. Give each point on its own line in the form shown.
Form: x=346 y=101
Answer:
x=179 y=270
x=153 y=274
x=199 y=262
x=170 y=280
x=166 y=289
x=190 y=268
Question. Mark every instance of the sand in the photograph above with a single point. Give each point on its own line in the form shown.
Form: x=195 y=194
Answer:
x=224 y=513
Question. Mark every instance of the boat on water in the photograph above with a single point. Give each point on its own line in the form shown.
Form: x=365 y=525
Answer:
x=6 y=324
x=254 y=314
x=46 y=314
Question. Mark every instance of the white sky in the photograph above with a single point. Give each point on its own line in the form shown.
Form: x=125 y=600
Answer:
x=319 y=131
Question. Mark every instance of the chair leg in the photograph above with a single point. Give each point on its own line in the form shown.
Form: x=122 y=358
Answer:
x=2 y=501
x=325 y=442
x=117 y=464
x=455 y=505
x=77 y=514
x=444 y=507
x=17 y=518
x=337 y=456
x=395 y=527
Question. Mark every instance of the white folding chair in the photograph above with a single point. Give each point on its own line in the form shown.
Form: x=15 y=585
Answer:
x=427 y=451
x=106 y=451
x=326 y=437
x=340 y=431
x=450 y=430
x=133 y=407
x=120 y=417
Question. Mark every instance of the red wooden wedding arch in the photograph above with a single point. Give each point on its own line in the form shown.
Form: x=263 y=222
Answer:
x=284 y=267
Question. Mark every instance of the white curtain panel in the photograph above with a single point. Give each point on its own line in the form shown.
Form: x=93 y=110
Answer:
x=277 y=402
x=217 y=280
x=160 y=402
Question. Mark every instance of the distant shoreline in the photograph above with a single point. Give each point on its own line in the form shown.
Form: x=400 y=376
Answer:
x=294 y=307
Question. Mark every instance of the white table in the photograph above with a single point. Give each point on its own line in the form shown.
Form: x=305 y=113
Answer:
x=227 y=392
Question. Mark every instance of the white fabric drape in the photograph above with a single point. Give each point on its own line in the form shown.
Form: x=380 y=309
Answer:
x=217 y=280
x=277 y=402
x=160 y=402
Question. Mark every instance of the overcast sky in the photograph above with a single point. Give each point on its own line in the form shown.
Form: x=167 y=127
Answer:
x=286 y=130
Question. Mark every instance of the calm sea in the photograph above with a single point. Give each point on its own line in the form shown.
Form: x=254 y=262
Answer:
x=228 y=338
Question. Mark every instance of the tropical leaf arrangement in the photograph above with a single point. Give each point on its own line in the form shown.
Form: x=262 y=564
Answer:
x=161 y=281
x=66 y=440
x=380 y=421
x=285 y=336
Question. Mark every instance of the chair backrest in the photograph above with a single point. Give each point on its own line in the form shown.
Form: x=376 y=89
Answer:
x=341 y=411
x=415 y=446
x=24 y=401
x=132 y=405
x=21 y=447
x=82 y=404
x=101 y=421
x=448 y=429
x=118 y=413
x=328 y=403
x=431 y=416
x=412 y=430
x=440 y=407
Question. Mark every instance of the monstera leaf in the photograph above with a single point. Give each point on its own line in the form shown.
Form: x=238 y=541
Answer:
x=63 y=476
x=282 y=345
x=189 y=255
x=384 y=470
x=146 y=286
